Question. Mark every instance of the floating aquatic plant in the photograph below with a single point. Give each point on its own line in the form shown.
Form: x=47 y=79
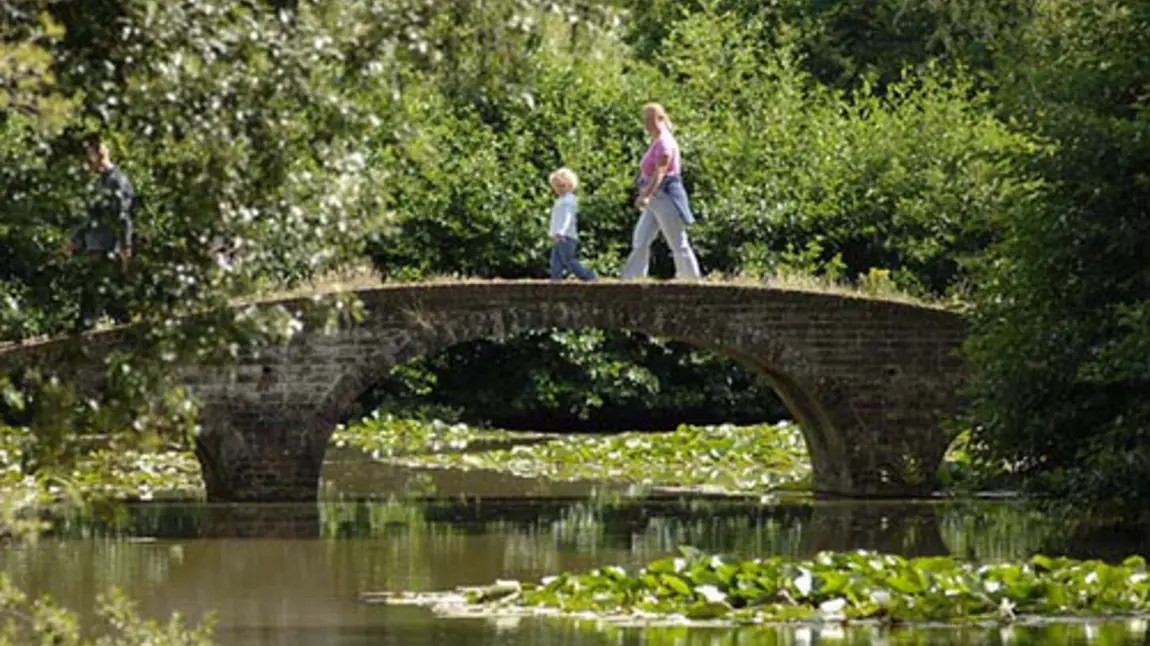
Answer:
x=831 y=587
x=724 y=458
x=384 y=436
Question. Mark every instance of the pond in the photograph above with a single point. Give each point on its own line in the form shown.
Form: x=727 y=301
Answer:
x=292 y=574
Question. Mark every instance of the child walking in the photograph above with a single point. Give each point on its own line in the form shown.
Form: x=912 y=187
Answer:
x=563 y=224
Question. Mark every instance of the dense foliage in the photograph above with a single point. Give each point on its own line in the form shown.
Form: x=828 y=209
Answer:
x=239 y=131
x=1062 y=330
x=785 y=165
x=578 y=380
x=848 y=42
x=242 y=136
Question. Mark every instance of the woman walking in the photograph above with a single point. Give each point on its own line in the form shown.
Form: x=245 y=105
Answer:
x=662 y=200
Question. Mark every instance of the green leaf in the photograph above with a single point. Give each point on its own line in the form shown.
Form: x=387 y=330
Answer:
x=676 y=584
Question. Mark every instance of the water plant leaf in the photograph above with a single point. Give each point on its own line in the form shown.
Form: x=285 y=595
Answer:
x=676 y=584
x=706 y=610
x=663 y=566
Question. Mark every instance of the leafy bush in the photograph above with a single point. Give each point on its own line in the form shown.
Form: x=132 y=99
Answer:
x=469 y=181
x=911 y=181
x=242 y=129
x=846 y=43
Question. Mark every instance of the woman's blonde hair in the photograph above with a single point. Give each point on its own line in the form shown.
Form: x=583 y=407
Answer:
x=660 y=114
x=566 y=175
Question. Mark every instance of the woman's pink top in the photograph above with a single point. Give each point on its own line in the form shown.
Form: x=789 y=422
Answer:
x=665 y=143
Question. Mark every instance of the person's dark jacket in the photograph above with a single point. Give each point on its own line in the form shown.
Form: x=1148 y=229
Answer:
x=109 y=226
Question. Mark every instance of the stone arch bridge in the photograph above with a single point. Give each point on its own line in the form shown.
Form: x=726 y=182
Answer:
x=870 y=381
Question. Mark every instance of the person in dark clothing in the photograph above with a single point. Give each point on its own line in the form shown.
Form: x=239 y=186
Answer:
x=104 y=243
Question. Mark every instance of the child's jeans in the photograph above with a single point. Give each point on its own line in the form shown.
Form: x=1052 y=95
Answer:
x=563 y=259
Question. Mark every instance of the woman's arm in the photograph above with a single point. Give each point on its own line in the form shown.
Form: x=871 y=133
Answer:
x=652 y=185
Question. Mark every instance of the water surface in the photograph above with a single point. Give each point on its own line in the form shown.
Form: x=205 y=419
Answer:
x=291 y=574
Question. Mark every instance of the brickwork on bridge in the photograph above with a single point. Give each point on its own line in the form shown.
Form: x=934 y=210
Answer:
x=868 y=380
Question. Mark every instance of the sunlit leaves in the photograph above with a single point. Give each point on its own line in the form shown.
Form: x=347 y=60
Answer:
x=244 y=132
x=27 y=75
x=909 y=179
x=253 y=131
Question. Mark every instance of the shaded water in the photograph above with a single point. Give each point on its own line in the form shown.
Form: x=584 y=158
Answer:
x=290 y=574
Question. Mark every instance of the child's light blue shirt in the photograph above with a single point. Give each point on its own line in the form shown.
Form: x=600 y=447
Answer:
x=563 y=216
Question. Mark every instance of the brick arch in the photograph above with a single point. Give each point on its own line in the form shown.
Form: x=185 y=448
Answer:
x=780 y=364
x=716 y=336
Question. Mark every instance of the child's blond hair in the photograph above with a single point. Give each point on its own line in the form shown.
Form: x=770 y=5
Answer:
x=566 y=176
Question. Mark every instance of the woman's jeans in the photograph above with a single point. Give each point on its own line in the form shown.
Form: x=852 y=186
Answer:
x=661 y=214
x=563 y=259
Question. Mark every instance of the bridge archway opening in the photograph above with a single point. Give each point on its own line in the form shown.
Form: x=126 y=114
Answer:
x=588 y=379
x=596 y=381
x=769 y=395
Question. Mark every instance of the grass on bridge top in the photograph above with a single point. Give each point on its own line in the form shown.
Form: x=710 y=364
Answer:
x=874 y=287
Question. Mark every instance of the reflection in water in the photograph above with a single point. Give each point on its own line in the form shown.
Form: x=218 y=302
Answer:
x=982 y=531
x=649 y=525
x=290 y=574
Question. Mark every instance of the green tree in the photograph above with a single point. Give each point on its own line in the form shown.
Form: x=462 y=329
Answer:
x=243 y=130
x=28 y=89
x=846 y=43
x=1061 y=329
